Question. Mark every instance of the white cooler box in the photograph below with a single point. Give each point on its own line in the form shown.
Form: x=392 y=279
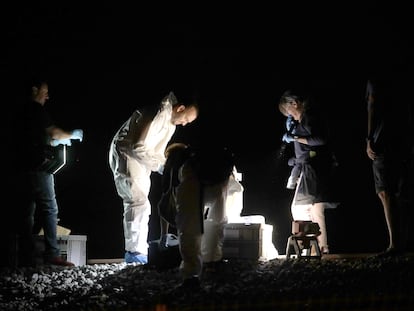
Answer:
x=248 y=241
x=72 y=248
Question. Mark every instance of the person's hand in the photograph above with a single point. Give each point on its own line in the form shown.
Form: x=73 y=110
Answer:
x=370 y=152
x=56 y=142
x=292 y=161
x=288 y=138
x=77 y=134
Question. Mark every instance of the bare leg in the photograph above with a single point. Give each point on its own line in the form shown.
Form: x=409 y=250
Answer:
x=318 y=216
x=388 y=213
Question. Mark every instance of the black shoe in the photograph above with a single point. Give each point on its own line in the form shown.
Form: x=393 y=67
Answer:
x=27 y=264
x=26 y=261
x=58 y=261
x=215 y=266
x=390 y=252
x=192 y=283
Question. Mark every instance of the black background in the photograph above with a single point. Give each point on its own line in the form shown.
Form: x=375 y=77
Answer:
x=104 y=60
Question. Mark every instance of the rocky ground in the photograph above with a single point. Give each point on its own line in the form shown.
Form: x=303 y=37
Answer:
x=330 y=283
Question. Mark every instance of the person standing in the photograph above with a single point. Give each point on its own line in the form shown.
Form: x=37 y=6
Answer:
x=388 y=147
x=42 y=135
x=202 y=207
x=136 y=150
x=313 y=159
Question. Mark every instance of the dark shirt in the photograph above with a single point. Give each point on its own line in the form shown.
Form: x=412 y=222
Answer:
x=35 y=146
x=379 y=90
x=390 y=120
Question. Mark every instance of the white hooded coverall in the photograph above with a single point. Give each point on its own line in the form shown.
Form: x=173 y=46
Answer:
x=132 y=158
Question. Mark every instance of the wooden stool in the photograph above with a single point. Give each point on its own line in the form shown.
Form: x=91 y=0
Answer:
x=307 y=243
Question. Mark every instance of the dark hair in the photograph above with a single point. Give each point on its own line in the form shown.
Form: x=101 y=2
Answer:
x=36 y=79
x=187 y=96
x=33 y=81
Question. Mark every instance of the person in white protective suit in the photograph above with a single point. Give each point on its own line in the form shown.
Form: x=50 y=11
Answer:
x=205 y=184
x=136 y=150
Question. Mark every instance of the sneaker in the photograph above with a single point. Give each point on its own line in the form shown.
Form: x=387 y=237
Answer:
x=168 y=240
x=58 y=261
x=171 y=240
x=131 y=257
x=324 y=250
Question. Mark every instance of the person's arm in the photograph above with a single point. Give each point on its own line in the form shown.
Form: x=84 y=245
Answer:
x=143 y=140
x=317 y=129
x=370 y=98
x=59 y=136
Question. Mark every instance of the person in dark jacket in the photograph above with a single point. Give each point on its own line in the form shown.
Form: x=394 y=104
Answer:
x=313 y=159
x=42 y=136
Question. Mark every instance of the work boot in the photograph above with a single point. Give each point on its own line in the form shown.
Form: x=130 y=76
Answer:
x=191 y=283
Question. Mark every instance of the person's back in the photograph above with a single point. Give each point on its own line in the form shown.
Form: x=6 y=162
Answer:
x=212 y=164
x=201 y=209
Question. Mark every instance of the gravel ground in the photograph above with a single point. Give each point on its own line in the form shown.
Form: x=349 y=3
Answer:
x=332 y=283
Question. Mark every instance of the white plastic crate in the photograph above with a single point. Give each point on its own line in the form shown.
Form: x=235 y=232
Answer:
x=72 y=248
x=248 y=241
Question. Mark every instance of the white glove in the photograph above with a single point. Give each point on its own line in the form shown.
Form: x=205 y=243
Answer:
x=56 y=142
x=160 y=169
x=77 y=134
x=291 y=184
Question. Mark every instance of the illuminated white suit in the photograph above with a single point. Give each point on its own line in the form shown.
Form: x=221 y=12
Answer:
x=197 y=247
x=132 y=158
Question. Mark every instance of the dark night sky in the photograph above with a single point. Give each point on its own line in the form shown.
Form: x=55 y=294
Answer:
x=103 y=62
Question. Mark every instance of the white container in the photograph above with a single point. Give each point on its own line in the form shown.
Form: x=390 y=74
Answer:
x=248 y=241
x=72 y=248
